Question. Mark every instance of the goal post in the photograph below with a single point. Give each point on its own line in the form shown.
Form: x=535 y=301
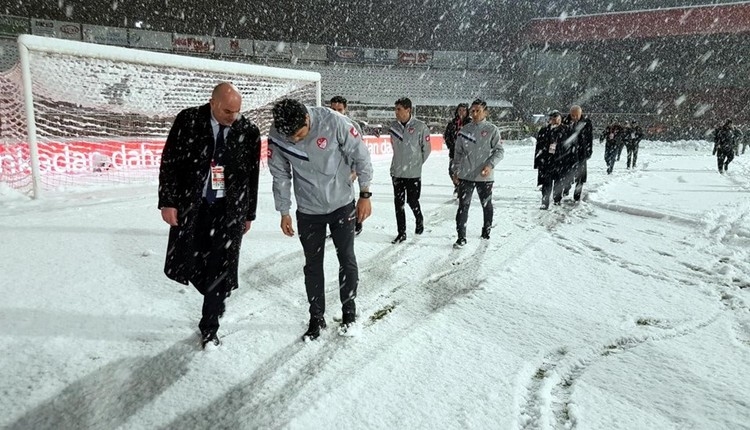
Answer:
x=74 y=114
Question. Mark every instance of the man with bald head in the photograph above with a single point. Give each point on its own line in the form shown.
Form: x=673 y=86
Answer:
x=582 y=139
x=208 y=193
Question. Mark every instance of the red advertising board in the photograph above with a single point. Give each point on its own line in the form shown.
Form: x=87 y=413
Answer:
x=91 y=155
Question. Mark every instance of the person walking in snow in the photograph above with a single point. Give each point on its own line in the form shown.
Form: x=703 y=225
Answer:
x=478 y=150
x=582 y=131
x=724 y=145
x=632 y=136
x=339 y=104
x=208 y=194
x=410 y=140
x=460 y=118
x=315 y=149
x=551 y=158
x=613 y=137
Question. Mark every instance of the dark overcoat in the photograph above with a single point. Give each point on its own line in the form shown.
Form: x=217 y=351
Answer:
x=185 y=166
x=553 y=165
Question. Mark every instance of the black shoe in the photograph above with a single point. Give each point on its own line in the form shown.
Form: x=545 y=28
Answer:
x=347 y=320
x=486 y=233
x=313 y=331
x=419 y=229
x=544 y=207
x=357 y=228
x=566 y=192
x=400 y=238
x=460 y=243
x=577 y=197
x=210 y=338
x=557 y=203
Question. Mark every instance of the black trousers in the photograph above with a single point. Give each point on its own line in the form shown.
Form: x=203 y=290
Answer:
x=554 y=186
x=407 y=190
x=312 y=235
x=581 y=175
x=610 y=156
x=465 y=193
x=632 y=155
x=578 y=176
x=450 y=175
x=723 y=158
x=211 y=235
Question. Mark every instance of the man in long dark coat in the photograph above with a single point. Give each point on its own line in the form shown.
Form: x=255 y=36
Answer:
x=552 y=158
x=208 y=193
x=583 y=143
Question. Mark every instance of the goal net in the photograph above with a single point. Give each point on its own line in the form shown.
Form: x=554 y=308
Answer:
x=73 y=114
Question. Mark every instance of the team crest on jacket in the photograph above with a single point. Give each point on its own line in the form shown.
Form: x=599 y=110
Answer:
x=411 y=130
x=427 y=138
x=322 y=142
x=269 y=152
x=353 y=131
x=484 y=133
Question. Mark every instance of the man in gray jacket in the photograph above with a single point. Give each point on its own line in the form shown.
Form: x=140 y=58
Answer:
x=410 y=139
x=478 y=150
x=316 y=149
x=339 y=104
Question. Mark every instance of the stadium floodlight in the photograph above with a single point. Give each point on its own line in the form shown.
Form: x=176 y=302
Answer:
x=76 y=113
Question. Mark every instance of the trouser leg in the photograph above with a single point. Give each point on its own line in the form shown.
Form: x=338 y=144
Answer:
x=399 y=199
x=465 y=192
x=211 y=234
x=413 y=192
x=342 y=232
x=312 y=235
x=484 y=190
x=546 y=190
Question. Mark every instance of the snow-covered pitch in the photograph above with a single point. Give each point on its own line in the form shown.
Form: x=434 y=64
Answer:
x=629 y=310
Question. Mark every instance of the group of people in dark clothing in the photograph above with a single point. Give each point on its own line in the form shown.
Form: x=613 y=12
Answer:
x=563 y=148
x=617 y=137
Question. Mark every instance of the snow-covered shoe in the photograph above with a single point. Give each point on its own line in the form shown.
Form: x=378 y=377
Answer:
x=348 y=325
x=313 y=331
x=210 y=340
x=460 y=243
x=486 y=233
x=400 y=238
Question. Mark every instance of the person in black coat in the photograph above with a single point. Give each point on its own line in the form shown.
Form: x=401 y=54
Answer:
x=632 y=136
x=460 y=118
x=208 y=194
x=613 y=137
x=724 y=145
x=583 y=134
x=552 y=158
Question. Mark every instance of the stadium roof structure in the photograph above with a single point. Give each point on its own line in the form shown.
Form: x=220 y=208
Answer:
x=718 y=19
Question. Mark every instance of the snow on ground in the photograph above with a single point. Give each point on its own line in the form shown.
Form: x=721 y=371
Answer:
x=629 y=310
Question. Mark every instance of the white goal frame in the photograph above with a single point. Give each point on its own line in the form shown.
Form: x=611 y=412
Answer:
x=30 y=43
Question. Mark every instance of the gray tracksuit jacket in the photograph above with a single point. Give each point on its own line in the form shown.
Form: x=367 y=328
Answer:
x=320 y=165
x=411 y=147
x=477 y=145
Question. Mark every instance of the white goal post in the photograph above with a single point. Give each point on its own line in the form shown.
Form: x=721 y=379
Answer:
x=74 y=114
